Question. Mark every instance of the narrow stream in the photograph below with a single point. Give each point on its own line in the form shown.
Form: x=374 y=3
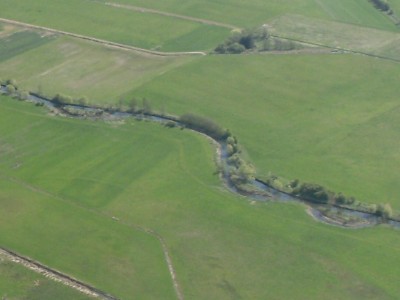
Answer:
x=331 y=215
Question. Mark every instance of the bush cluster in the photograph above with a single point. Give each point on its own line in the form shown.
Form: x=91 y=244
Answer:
x=254 y=39
x=13 y=90
x=240 y=172
x=239 y=42
x=204 y=125
x=381 y=5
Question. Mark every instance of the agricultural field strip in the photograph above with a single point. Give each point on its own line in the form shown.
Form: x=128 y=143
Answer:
x=209 y=22
x=55 y=275
x=355 y=39
x=167 y=14
x=103 y=42
x=333 y=48
x=151 y=232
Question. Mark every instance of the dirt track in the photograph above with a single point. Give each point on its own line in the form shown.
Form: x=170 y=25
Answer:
x=100 y=41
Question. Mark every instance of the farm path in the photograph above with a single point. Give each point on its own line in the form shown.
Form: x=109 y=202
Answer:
x=100 y=41
x=167 y=14
x=167 y=256
x=55 y=275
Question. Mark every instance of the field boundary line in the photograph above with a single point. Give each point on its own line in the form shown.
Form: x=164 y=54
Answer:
x=335 y=48
x=101 y=41
x=55 y=275
x=167 y=14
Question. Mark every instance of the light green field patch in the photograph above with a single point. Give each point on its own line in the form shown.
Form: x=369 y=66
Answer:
x=81 y=68
x=333 y=34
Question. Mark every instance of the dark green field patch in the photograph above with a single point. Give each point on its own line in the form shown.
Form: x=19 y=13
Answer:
x=20 y=42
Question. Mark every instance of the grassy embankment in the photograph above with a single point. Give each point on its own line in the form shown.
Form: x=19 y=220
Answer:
x=67 y=171
x=18 y=283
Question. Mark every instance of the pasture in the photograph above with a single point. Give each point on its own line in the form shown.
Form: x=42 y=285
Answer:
x=159 y=30
x=84 y=196
x=63 y=179
x=78 y=68
x=19 y=42
x=257 y=12
x=276 y=105
x=128 y=27
x=340 y=35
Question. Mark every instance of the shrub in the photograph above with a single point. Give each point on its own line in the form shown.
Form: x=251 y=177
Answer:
x=62 y=99
x=235 y=48
x=10 y=89
x=204 y=125
x=381 y=5
x=312 y=192
x=384 y=210
x=170 y=124
x=239 y=42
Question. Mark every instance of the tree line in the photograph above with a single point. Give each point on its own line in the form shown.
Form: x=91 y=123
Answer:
x=257 y=39
x=318 y=194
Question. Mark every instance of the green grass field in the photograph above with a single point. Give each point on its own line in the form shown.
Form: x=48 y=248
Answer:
x=81 y=68
x=84 y=243
x=18 y=43
x=167 y=33
x=63 y=177
x=332 y=119
x=257 y=12
x=114 y=24
x=277 y=105
x=335 y=34
x=18 y=283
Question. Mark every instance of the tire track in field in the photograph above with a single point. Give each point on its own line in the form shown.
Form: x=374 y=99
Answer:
x=164 y=247
x=101 y=41
x=167 y=14
x=55 y=275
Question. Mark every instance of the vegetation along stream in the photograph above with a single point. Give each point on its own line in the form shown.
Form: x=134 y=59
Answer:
x=256 y=189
